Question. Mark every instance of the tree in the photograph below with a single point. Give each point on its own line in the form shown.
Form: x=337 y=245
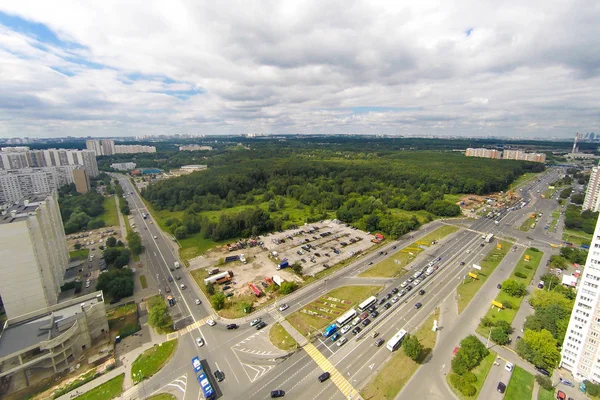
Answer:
x=412 y=347
x=111 y=241
x=77 y=246
x=210 y=288
x=470 y=354
x=218 y=300
x=297 y=268
x=539 y=348
x=287 y=287
x=135 y=242
x=544 y=381
x=110 y=254
x=180 y=233
x=272 y=205
x=280 y=203
x=121 y=287
x=514 y=288
x=123 y=258
x=499 y=336
x=158 y=315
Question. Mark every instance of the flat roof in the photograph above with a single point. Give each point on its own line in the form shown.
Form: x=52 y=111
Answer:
x=21 y=210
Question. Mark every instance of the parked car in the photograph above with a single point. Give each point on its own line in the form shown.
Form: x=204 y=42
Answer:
x=395 y=299
x=345 y=329
x=335 y=336
x=356 y=330
x=277 y=393
x=509 y=366
x=374 y=314
x=324 y=376
x=366 y=322
x=501 y=387
x=387 y=305
x=364 y=315
x=542 y=371
x=498 y=286
x=219 y=375
x=170 y=279
x=395 y=290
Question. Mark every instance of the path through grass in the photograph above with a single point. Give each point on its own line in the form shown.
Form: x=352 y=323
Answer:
x=152 y=360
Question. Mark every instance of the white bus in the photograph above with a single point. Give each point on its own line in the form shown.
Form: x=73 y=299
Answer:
x=367 y=303
x=344 y=319
x=489 y=237
x=396 y=340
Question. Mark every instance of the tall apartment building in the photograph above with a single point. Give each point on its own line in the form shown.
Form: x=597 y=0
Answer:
x=485 y=153
x=10 y=159
x=18 y=183
x=95 y=146
x=34 y=249
x=104 y=147
x=81 y=180
x=134 y=148
x=592 y=193
x=194 y=147
x=126 y=166
x=523 y=156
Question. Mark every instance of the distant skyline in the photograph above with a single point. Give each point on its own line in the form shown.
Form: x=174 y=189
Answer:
x=477 y=69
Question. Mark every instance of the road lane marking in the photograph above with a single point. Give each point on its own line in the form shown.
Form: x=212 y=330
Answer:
x=336 y=377
x=232 y=371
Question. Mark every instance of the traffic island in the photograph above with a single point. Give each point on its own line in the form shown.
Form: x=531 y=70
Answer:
x=152 y=360
x=107 y=391
x=281 y=339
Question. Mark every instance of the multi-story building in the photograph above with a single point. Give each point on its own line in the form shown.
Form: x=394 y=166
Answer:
x=485 y=153
x=108 y=147
x=95 y=146
x=126 y=166
x=49 y=158
x=523 y=156
x=592 y=193
x=134 y=148
x=194 y=147
x=581 y=346
x=18 y=183
x=81 y=180
x=33 y=246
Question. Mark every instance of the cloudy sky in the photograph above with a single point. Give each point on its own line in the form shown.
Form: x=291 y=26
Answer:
x=476 y=68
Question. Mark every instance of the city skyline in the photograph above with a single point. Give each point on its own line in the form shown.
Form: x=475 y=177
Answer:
x=288 y=68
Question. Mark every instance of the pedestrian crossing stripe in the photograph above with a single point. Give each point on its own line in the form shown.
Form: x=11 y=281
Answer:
x=195 y=325
x=336 y=377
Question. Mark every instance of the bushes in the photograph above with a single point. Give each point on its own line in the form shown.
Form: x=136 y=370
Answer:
x=544 y=381
x=462 y=385
x=514 y=288
x=288 y=287
x=592 y=389
x=470 y=354
x=218 y=301
x=521 y=275
x=412 y=347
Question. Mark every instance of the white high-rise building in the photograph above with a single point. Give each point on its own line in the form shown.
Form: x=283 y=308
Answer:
x=581 y=347
x=49 y=158
x=34 y=251
x=592 y=193
x=95 y=146
x=18 y=183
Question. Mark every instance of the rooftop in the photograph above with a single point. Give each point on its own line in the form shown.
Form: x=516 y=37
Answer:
x=23 y=208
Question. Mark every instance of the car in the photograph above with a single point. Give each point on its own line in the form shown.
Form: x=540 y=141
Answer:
x=388 y=296
x=566 y=382
x=335 y=336
x=498 y=286
x=371 y=309
x=345 y=329
x=402 y=292
x=232 y=326
x=364 y=315
x=260 y=325
x=255 y=322
x=411 y=279
x=199 y=342
x=170 y=279
x=418 y=305
x=341 y=342
x=501 y=387
x=393 y=247
x=542 y=371
x=374 y=314
x=356 y=330
x=366 y=322
x=182 y=286
x=379 y=342
x=387 y=305
x=197 y=301
x=277 y=393
x=283 y=307
x=155 y=237
x=421 y=292
x=167 y=289
x=178 y=277
x=381 y=301
x=482 y=245
x=395 y=290
x=324 y=376
x=462 y=263
x=404 y=284
x=395 y=299
x=409 y=288
x=374 y=334
x=171 y=269
x=509 y=366
x=417 y=281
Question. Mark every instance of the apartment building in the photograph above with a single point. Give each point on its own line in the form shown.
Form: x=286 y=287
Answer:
x=126 y=166
x=81 y=180
x=523 y=156
x=32 y=238
x=95 y=146
x=10 y=159
x=592 y=193
x=18 y=183
x=484 y=153
x=134 y=148
x=194 y=147
x=104 y=147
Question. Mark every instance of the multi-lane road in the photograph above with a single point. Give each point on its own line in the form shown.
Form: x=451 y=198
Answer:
x=253 y=367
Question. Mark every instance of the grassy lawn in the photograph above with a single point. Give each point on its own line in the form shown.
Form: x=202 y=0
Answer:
x=325 y=309
x=110 y=216
x=469 y=288
x=576 y=240
x=555 y=217
x=281 y=339
x=544 y=394
x=162 y=396
x=523 y=178
x=152 y=360
x=106 y=391
x=394 y=266
x=454 y=198
x=80 y=254
x=399 y=368
x=80 y=381
x=520 y=385
x=579 y=233
x=526 y=225
x=143 y=281
x=481 y=373
x=123 y=320
x=506 y=314
x=549 y=193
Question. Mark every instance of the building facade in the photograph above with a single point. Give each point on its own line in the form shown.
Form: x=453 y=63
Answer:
x=18 y=183
x=592 y=193
x=81 y=180
x=194 y=147
x=581 y=346
x=32 y=238
x=506 y=154
x=10 y=159
x=484 y=153
x=134 y=148
x=95 y=146
x=126 y=166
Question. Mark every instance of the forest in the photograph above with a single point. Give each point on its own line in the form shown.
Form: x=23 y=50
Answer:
x=375 y=190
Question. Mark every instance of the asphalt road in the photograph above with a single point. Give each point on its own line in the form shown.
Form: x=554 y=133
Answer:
x=253 y=368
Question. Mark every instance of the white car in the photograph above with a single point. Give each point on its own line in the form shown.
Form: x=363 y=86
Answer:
x=211 y=322
x=345 y=329
x=198 y=301
x=341 y=341
x=404 y=284
x=395 y=299
x=509 y=366
x=199 y=342
x=155 y=237
x=416 y=281
x=256 y=321
x=283 y=307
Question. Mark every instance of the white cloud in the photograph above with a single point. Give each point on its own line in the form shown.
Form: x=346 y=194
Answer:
x=526 y=68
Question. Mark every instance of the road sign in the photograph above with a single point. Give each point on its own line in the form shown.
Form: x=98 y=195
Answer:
x=475 y=266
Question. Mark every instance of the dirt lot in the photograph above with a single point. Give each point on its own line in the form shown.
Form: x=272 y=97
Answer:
x=92 y=239
x=330 y=242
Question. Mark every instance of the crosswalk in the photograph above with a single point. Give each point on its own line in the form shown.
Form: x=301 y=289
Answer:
x=336 y=377
x=190 y=328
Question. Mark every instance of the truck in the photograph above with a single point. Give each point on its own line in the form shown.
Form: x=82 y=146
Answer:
x=216 y=277
x=489 y=238
x=283 y=265
x=232 y=258
x=254 y=289
x=242 y=259
x=429 y=271
x=176 y=264
x=213 y=271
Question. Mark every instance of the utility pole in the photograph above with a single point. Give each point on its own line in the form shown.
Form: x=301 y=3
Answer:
x=487 y=344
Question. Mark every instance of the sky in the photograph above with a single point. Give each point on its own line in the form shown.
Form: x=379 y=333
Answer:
x=526 y=69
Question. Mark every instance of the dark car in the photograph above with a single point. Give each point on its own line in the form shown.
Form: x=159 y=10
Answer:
x=421 y=292
x=388 y=296
x=356 y=330
x=462 y=263
x=260 y=325
x=387 y=305
x=324 y=376
x=374 y=314
x=170 y=279
x=395 y=290
x=366 y=322
x=168 y=289
x=501 y=387
x=394 y=247
x=219 y=375
x=418 y=305
x=277 y=393
x=371 y=309
x=408 y=288
x=379 y=342
x=542 y=371
x=178 y=277
x=232 y=326
x=381 y=301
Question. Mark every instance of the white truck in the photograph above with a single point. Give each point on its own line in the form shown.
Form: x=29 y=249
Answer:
x=177 y=266
x=429 y=271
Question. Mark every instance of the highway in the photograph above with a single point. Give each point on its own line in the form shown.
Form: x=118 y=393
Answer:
x=238 y=352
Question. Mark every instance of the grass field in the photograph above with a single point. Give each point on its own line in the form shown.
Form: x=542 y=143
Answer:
x=523 y=178
x=554 y=222
x=351 y=295
x=509 y=314
x=162 y=396
x=399 y=368
x=544 y=394
x=576 y=240
x=81 y=254
x=123 y=320
x=469 y=288
x=74 y=384
x=281 y=339
x=106 y=391
x=395 y=266
x=520 y=385
x=549 y=193
x=110 y=216
x=143 y=281
x=526 y=225
x=481 y=372
x=152 y=360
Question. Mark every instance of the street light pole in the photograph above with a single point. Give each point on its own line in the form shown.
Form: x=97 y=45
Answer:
x=487 y=344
